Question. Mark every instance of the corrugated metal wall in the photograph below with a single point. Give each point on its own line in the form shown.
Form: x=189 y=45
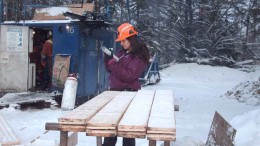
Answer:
x=93 y=77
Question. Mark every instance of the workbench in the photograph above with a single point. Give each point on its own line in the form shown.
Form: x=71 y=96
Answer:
x=141 y=114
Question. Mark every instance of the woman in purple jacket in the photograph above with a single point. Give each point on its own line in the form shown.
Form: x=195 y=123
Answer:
x=125 y=73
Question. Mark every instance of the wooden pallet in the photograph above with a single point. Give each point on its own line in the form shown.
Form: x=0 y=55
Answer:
x=7 y=137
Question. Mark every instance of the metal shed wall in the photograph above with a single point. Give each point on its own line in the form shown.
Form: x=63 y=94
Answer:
x=67 y=42
x=83 y=42
x=93 y=77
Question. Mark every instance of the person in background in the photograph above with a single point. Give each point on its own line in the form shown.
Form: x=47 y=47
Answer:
x=46 y=60
x=124 y=73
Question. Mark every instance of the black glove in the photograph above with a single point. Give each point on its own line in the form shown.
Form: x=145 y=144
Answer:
x=108 y=57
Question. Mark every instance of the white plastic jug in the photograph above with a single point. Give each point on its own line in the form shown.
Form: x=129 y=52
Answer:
x=69 y=93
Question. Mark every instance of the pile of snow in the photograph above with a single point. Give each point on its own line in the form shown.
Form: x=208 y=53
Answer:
x=186 y=141
x=248 y=92
x=248 y=128
x=204 y=73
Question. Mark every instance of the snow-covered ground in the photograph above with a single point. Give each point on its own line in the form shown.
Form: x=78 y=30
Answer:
x=199 y=90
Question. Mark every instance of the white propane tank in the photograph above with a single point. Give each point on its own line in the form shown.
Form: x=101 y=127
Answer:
x=69 y=93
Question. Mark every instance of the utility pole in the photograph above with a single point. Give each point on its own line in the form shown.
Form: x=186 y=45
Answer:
x=128 y=10
x=1 y=11
x=24 y=10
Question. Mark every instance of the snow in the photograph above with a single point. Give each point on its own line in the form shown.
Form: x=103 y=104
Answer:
x=199 y=90
x=24 y=97
x=40 y=21
x=249 y=125
x=53 y=11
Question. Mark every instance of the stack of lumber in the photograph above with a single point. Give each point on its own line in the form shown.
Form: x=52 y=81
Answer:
x=161 y=125
x=105 y=122
x=135 y=120
x=7 y=137
x=76 y=120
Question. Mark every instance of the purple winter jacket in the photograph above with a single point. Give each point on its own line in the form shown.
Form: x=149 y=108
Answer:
x=125 y=73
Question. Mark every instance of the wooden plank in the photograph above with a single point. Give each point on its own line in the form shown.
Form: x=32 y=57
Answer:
x=63 y=138
x=62 y=127
x=101 y=128
x=221 y=132
x=77 y=117
x=130 y=134
x=161 y=137
x=98 y=100
x=105 y=122
x=87 y=110
x=101 y=133
x=99 y=141
x=110 y=115
x=52 y=126
x=160 y=132
x=94 y=104
x=152 y=143
x=167 y=143
x=137 y=115
x=7 y=137
x=73 y=128
x=161 y=125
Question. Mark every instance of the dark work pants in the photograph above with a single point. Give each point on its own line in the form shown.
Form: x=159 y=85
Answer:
x=111 y=141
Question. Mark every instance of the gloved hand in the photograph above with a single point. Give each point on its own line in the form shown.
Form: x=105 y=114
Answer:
x=111 y=61
x=108 y=57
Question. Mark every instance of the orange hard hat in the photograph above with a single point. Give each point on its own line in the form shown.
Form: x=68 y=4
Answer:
x=125 y=30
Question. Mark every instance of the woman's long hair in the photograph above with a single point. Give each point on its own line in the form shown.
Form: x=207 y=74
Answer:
x=139 y=48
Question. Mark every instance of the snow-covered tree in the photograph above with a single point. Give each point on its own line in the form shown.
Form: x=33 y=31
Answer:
x=224 y=31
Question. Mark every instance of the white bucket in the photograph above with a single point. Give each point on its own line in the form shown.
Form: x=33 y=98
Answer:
x=69 y=93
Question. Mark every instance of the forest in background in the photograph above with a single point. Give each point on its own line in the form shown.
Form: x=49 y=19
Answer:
x=216 y=32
